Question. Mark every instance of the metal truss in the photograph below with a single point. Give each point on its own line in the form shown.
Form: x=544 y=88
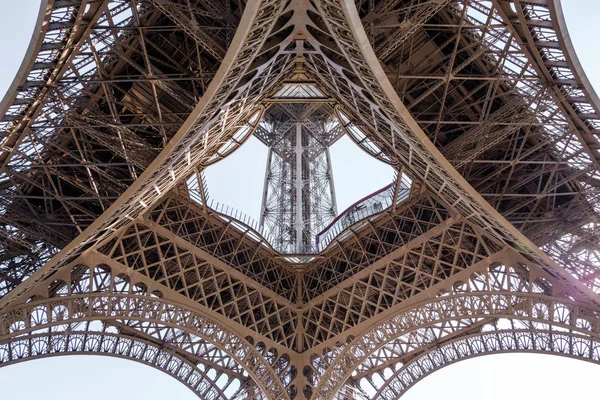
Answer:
x=101 y=77
x=100 y=295
x=299 y=196
x=486 y=242
x=496 y=309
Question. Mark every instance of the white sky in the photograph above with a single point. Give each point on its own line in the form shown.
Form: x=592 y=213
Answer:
x=239 y=180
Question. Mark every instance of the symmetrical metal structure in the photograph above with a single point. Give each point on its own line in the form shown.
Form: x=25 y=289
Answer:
x=299 y=195
x=486 y=242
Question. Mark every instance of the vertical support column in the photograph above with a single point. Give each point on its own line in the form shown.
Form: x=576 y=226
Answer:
x=302 y=363
x=299 y=184
x=298 y=197
x=263 y=208
x=300 y=303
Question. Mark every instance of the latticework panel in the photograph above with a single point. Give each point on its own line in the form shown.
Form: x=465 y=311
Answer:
x=208 y=277
x=419 y=266
x=506 y=300
x=368 y=241
x=226 y=241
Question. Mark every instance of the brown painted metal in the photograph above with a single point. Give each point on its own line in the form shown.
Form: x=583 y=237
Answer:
x=481 y=105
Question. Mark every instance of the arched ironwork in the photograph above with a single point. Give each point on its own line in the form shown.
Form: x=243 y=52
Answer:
x=96 y=295
x=494 y=341
x=80 y=341
x=503 y=293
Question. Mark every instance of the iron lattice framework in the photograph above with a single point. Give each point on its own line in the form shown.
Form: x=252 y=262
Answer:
x=487 y=240
x=299 y=196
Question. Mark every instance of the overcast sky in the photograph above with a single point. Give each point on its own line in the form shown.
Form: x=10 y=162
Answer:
x=238 y=182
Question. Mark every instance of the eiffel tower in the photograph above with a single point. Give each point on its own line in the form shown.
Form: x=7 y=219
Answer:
x=486 y=241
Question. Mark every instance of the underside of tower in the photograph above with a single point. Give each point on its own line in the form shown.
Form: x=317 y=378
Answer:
x=485 y=241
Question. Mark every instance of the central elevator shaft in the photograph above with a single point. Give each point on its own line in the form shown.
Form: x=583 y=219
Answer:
x=299 y=196
x=300 y=222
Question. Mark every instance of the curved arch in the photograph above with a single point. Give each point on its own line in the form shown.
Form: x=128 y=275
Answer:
x=242 y=135
x=360 y=139
x=191 y=329
x=95 y=294
x=60 y=343
x=556 y=10
x=400 y=136
x=447 y=316
x=562 y=343
x=39 y=31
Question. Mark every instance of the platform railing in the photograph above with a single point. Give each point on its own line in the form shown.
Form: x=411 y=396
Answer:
x=368 y=206
x=371 y=205
x=194 y=184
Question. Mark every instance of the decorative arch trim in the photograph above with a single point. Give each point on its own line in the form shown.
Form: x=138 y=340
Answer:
x=448 y=315
x=563 y=343
x=61 y=343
